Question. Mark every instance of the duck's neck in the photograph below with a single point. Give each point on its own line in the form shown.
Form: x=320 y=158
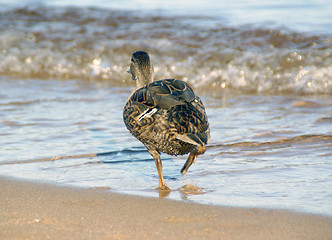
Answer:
x=145 y=77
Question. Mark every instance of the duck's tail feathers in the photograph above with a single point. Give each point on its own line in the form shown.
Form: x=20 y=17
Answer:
x=198 y=139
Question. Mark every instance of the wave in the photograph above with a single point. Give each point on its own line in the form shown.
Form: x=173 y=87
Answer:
x=95 y=44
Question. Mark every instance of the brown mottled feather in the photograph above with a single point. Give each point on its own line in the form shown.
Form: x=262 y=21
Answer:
x=178 y=112
x=167 y=116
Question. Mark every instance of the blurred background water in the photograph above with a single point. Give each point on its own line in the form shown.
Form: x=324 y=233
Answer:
x=262 y=68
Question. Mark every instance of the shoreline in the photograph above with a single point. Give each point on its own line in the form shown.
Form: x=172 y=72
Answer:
x=32 y=210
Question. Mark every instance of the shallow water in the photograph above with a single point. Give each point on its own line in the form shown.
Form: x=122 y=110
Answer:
x=267 y=92
x=271 y=151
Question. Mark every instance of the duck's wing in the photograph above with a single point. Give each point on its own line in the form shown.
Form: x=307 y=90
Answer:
x=186 y=112
x=146 y=101
x=163 y=94
x=170 y=92
x=191 y=122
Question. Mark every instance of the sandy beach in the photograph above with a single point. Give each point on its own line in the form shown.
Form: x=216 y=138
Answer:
x=42 y=211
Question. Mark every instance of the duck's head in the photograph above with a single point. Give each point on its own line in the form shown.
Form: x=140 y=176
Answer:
x=141 y=69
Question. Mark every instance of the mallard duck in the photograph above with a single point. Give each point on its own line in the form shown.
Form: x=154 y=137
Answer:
x=165 y=115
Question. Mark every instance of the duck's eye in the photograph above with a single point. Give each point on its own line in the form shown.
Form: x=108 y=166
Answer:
x=132 y=59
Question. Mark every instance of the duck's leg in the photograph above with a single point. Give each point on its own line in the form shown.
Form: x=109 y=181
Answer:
x=192 y=158
x=162 y=184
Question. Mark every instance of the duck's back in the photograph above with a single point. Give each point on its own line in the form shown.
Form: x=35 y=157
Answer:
x=168 y=116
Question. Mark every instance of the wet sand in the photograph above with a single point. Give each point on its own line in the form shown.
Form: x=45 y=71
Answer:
x=41 y=211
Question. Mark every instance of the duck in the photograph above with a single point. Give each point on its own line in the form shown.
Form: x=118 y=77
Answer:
x=165 y=115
